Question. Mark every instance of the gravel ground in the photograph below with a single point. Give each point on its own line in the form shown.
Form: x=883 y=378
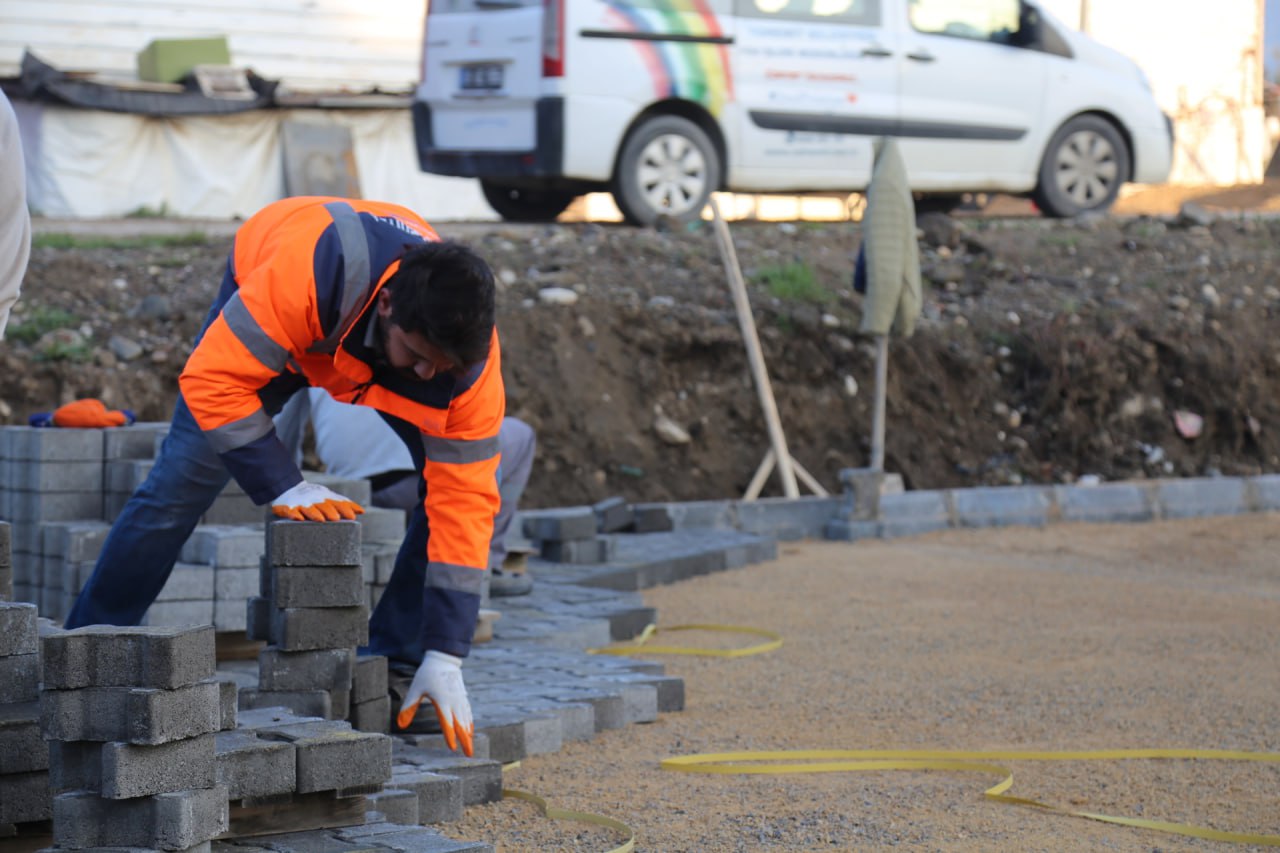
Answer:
x=1070 y=637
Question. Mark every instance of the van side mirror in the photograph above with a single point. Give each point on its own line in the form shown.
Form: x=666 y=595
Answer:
x=1028 y=33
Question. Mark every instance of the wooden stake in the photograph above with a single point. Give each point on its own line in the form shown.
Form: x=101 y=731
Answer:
x=762 y=474
x=755 y=357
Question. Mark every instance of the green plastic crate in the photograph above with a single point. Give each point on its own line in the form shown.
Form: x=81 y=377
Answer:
x=169 y=60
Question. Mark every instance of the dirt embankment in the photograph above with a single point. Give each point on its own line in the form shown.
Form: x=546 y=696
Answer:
x=1048 y=351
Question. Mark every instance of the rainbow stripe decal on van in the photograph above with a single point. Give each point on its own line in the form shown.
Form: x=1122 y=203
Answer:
x=696 y=71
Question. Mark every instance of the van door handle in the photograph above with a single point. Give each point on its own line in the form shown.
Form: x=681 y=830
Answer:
x=921 y=56
x=876 y=51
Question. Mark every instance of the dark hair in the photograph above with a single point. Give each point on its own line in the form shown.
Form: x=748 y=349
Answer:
x=445 y=292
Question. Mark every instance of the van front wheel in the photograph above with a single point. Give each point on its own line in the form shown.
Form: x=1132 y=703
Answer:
x=524 y=204
x=1083 y=168
x=668 y=166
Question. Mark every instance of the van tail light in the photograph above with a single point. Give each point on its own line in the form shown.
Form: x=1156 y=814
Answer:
x=426 y=18
x=552 y=38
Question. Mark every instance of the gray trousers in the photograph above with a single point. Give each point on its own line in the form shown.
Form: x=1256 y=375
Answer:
x=519 y=443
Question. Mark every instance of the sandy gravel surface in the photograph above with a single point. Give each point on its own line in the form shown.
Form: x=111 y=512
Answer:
x=1071 y=637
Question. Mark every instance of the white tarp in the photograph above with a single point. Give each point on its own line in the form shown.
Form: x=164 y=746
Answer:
x=90 y=163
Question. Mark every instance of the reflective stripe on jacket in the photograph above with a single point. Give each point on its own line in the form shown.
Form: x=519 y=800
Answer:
x=306 y=273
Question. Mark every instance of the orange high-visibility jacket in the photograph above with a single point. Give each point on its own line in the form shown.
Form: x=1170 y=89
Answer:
x=295 y=310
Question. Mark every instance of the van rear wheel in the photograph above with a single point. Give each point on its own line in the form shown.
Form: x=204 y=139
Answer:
x=524 y=204
x=668 y=166
x=1083 y=167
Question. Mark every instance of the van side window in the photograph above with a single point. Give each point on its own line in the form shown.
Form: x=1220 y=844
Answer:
x=981 y=20
x=865 y=13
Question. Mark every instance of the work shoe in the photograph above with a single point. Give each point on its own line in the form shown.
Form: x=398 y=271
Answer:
x=484 y=625
x=504 y=584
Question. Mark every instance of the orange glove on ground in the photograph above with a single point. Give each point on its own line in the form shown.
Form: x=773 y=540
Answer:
x=314 y=502
x=84 y=414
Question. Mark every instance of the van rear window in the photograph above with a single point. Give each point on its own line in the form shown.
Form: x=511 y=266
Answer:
x=864 y=13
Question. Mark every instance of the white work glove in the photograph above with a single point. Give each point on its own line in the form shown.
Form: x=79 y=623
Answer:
x=313 y=502
x=439 y=679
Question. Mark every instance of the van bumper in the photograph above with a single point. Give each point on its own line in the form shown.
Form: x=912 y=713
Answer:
x=545 y=160
x=1153 y=153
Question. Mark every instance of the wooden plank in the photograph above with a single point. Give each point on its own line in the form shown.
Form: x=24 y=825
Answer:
x=301 y=813
x=234 y=645
x=29 y=838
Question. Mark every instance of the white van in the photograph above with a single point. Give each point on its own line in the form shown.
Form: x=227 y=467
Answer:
x=661 y=102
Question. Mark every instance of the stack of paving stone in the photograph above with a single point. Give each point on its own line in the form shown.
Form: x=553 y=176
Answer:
x=303 y=770
x=567 y=535
x=132 y=715
x=312 y=611
x=55 y=488
x=370 y=703
x=230 y=558
x=185 y=599
x=69 y=552
x=46 y=475
x=381 y=533
x=127 y=454
x=6 y=562
x=299 y=772
x=24 y=758
x=61 y=488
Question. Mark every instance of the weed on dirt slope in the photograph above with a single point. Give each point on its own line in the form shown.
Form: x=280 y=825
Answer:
x=1048 y=351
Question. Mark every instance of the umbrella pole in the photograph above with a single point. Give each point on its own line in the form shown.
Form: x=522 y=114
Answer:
x=877 y=422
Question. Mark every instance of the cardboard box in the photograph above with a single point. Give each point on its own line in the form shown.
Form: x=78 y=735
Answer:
x=169 y=60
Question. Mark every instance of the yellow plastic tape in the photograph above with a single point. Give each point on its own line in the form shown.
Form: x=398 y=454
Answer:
x=641 y=643
x=549 y=811
x=843 y=760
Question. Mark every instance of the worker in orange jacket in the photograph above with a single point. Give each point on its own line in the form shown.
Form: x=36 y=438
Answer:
x=363 y=299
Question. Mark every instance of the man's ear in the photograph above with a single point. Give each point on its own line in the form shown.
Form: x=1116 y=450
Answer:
x=384 y=302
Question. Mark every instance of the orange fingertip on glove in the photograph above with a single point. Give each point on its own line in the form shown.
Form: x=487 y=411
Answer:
x=346 y=509
x=452 y=731
x=323 y=511
x=407 y=714
x=466 y=735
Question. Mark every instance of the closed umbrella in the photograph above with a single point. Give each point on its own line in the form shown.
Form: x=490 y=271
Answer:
x=889 y=270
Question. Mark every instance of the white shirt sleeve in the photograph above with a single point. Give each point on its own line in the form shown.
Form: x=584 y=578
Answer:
x=354 y=441
x=15 y=220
